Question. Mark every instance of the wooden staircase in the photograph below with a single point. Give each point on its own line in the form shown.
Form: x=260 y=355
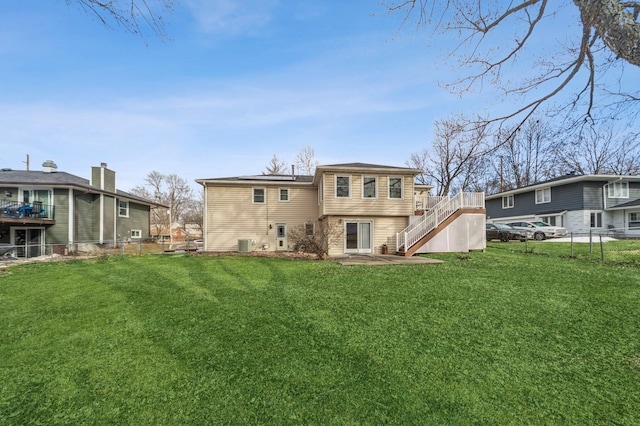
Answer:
x=445 y=212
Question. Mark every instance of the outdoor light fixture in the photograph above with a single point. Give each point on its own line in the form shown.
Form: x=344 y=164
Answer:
x=7 y=193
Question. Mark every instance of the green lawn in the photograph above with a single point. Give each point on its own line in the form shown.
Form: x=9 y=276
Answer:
x=485 y=338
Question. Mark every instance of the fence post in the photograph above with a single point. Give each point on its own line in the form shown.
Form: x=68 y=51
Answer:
x=139 y=247
x=601 y=250
x=571 y=250
x=590 y=241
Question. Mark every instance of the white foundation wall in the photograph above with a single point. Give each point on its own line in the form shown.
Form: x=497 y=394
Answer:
x=464 y=234
x=579 y=221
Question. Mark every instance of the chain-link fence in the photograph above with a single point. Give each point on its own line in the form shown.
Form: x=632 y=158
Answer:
x=609 y=247
x=86 y=249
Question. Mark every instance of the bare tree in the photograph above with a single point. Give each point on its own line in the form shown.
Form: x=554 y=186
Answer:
x=132 y=15
x=601 y=150
x=194 y=213
x=456 y=157
x=305 y=161
x=494 y=36
x=275 y=167
x=170 y=190
x=526 y=156
x=315 y=237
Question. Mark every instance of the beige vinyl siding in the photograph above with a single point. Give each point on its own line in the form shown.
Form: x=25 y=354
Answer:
x=232 y=215
x=384 y=232
x=356 y=205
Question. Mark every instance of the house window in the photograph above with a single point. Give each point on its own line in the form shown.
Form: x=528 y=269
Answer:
x=543 y=196
x=309 y=228
x=123 y=208
x=136 y=233
x=595 y=220
x=552 y=220
x=369 y=185
x=283 y=194
x=507 y=202
x=618 y=190
x=259 y=195
x=343 y=186
x=395 y=187
x=634 y=220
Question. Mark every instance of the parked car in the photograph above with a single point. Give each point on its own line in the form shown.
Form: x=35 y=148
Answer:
x=541 y=230
x=504 y=232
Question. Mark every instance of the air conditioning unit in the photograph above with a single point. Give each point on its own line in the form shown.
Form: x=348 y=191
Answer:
x=244 y=246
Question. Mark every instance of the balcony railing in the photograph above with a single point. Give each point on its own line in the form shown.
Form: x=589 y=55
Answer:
x=22 y=210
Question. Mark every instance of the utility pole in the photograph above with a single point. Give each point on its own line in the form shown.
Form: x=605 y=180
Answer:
x=27 y=162
x=501 y=176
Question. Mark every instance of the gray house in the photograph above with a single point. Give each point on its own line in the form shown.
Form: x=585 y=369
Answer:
x=49 y=207
x=580 y=203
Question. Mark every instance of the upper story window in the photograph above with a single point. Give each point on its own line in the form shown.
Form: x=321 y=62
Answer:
x=259 y=195
x=283 y=194
x=543 y=196
x=123 y=208
x=343 y=186
x=507 y=202
x=395 y=187
x=618 y=190
x=369 y=187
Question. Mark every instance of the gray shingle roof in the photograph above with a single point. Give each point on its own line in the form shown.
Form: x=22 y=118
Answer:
x=32 y=177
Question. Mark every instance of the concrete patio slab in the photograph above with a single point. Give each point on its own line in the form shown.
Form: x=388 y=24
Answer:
x=381 y=259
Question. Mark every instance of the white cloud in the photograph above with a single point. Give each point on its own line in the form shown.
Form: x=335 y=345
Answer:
x=231 y=17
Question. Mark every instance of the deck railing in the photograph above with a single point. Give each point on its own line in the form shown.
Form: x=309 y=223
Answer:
x=19 y=209
x=437 y=214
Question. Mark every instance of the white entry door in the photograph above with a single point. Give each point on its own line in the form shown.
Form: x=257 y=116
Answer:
x=281 y=236
x=358 y=237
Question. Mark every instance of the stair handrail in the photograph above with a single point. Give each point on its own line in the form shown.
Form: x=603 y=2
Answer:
x=426 y=221
x=435 y=216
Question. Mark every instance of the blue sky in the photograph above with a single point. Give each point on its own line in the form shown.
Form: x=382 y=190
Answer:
x=235 y=83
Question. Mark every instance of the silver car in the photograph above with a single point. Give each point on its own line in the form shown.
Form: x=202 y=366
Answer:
x=541 y=230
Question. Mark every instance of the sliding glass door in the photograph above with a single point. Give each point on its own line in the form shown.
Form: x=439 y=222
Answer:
x=358 y=237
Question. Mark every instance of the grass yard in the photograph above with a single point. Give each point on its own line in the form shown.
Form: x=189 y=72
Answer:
x=485 y=338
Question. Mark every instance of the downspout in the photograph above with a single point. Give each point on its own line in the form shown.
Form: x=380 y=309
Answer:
x=71 y=218
x=101 y=231
x=204 y=217
x=116 y=201
x=604 y=193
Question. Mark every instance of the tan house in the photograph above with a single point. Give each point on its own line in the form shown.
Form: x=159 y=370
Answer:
x=372 y=208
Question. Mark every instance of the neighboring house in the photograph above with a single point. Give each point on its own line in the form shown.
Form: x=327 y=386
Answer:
x=580 y=203
x=39 y=208
x=179 y=233
x=371 y=208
